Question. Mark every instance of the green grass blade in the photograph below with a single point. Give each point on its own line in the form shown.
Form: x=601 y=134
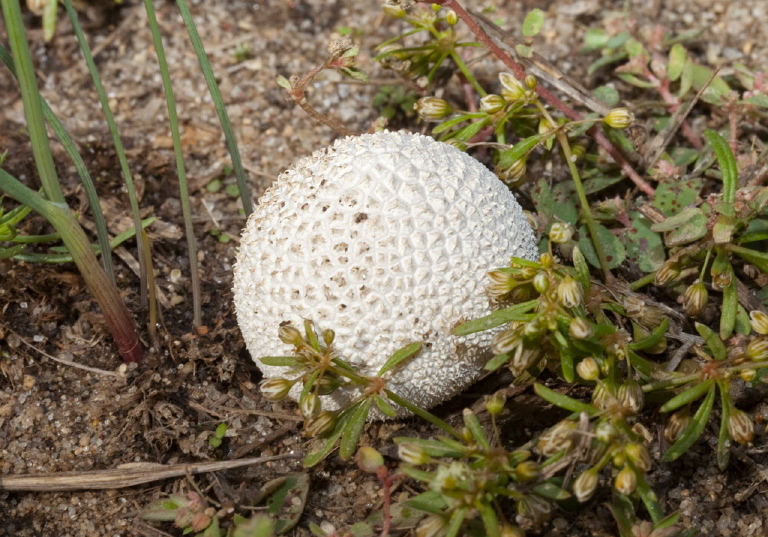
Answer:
x=128 y=178
x=30 y=95
x=180 y=169
x=213 y=88
x=121 y=324
x=82 y=171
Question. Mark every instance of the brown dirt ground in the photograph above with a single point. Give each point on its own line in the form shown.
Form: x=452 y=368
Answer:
x=55 y=417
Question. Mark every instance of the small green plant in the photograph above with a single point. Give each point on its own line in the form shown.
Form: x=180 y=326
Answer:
x=320 y=372
x=192 y=514
x=218 y=437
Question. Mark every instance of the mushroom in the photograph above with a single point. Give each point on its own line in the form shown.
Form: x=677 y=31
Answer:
x=386 y=239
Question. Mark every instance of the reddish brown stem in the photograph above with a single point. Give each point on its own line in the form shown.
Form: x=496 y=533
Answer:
x=544 y=93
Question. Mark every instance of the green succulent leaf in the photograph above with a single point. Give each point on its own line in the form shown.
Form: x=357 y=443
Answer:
x=653 y=338
x=676 y=64
x=713 y=341
x=688 y=396
x=727 y=163
x=354 y=428
x=563 y=401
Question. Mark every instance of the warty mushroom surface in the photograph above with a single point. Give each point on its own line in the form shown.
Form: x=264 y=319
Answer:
x=386 y=239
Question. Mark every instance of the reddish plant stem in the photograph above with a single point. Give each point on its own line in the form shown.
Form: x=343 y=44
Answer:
x=519 y=72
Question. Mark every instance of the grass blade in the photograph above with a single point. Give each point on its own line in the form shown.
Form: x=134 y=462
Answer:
x=82 y=171
x=30 y=95
x=127 y=177
x=213 y=88
x=180 y=169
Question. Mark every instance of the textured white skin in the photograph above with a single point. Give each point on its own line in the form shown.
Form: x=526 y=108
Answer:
x=386 y=239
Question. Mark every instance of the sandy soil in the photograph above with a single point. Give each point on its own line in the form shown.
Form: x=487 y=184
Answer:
x=56 y=417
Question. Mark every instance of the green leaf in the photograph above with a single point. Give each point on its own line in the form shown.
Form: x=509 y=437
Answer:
x=497 y=361
x=563 y=401
x=566 y=202
x=488 y=515
x=518 y=312
x=686 y=78
x=473 y=424
x=399 y=355
x=653 y=338
x=384 y=406
x=702 y=74
x=729 y=309
x=519 y=150
x=677 y=57
x=692 y=230
x=723 y=440
x=280 y=361
x=446 y=125
x=533 y=22
x=713 y=341
x=694 y=429
x=595 y=38
x=549 y=490
x=727 y=164
x=675 y=194
x=687 y=397
x=610 y=96
x=466 y=133
x=541 y=195
x=431 y=502
x=524 y=50
x=456 y=521
x=644 y=247
x=581 y=270
x=757 y=100
x=283 y=82
x=635 y=81
x=286 y=497
x=614 y=251
x=759 y=259
x=434 y=448
x=354 y=428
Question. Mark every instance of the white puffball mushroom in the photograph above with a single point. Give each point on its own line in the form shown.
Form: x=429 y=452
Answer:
x=386 y=239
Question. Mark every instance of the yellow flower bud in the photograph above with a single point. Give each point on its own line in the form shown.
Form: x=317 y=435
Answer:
x=588 y=369
x=676 y=424
x=432 y=108
x=757 y=349
x=560 y=232
x=585 y=485
x=275 y=389
x=320 y=425
x=626 y=481
x=491 y=104
x=759 y=321
x=394 y=11
x=512 y=89
x=580 y=328
x=619 y=118
x=695 y=298
x=740 y=426
x=569 y=292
